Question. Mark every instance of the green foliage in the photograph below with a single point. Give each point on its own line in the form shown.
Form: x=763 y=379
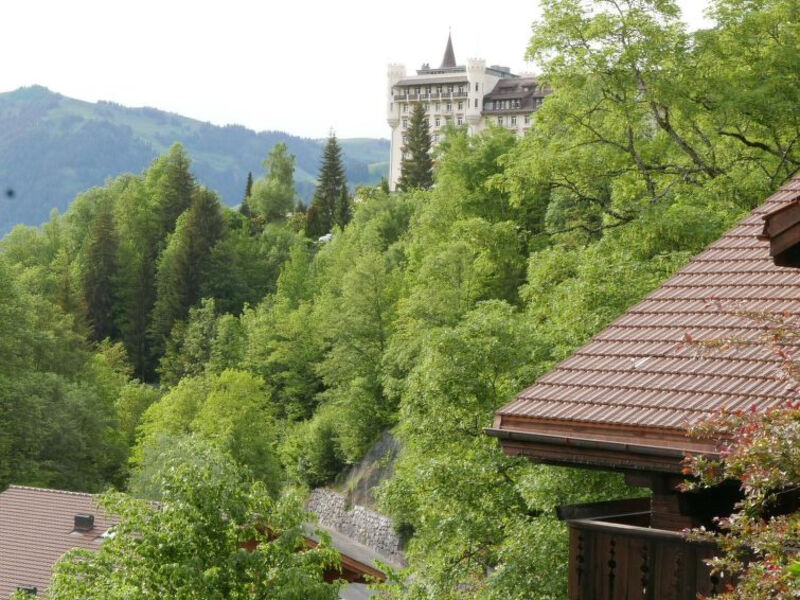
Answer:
x=274 y=196
x=311 y=452
x=416 y=166
x=329 y=205
x=232 y=410
x=191 y=545
x=100 y=271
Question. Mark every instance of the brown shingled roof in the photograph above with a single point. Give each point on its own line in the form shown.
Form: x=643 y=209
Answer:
x=626 y=398
x=36 y=529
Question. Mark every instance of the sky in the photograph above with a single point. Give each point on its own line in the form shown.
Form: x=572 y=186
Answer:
x=304 y=67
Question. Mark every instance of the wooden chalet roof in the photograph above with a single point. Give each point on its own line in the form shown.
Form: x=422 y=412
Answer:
x=626 y=399
x=36 y=529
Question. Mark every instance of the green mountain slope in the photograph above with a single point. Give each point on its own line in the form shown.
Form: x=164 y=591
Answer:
x=53 y=147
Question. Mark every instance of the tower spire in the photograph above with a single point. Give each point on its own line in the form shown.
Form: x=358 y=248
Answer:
x=449 y=59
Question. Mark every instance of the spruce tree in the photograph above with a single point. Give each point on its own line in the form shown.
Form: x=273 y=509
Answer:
x=331 y=182
x=244 y=207
x=100 y=270
x=344 y=208
x=171 y=185
x=183 y=266
x=416 y=167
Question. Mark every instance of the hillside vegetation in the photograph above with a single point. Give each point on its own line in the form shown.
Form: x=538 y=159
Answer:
x=53 y=147
x=149 y=314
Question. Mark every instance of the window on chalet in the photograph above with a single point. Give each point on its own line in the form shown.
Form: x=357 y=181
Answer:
x=513 y=120
x=527 y=119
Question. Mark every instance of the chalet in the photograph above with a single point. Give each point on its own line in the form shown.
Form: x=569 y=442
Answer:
x=625 y=401
x=38 y=526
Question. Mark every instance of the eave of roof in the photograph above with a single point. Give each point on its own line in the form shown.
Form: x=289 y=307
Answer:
x=636 y=386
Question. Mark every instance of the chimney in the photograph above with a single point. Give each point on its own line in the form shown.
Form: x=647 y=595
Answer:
x=28 y=589
x=84 y=522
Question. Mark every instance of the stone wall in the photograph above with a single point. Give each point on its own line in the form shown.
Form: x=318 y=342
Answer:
x=358 y=523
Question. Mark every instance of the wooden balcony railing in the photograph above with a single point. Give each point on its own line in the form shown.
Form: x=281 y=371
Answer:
x=618 y=556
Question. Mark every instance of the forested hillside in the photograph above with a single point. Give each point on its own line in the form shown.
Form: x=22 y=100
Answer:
x=53 y=147
x=150 y=314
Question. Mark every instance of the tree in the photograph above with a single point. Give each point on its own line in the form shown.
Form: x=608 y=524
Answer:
x=183 y=267
x=244 y=207
x=100 y=271
x=416 y=167
x=172 y=186
x=232 y=410
x=344 y=209
x=192 y=543
x=273 y=196
x=322 y=214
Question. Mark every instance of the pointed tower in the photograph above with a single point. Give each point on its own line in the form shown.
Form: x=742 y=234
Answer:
x=449 y=60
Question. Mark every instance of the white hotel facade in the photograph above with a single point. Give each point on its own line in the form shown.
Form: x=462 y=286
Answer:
x=471 y=95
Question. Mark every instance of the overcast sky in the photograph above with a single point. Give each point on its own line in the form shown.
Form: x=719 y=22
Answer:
x=298 y=66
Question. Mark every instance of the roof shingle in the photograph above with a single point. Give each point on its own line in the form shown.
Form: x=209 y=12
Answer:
x=36 y=529
x=638 y=374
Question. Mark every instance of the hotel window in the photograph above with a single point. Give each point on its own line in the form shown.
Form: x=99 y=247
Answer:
x=513 y=120
x=476 y=86
x=418 y=89
x=449 y=107
x=438 y=89
x=405 y=123
x=460 y=90
x=499 y=120
x=426 y=106
x=438 y=107
x=405 y=138
x=527 y=119
x=437 y=121
x=460 y=106
x=460 y=121
x=450 y=88
x=476 y=103
x=428 y=89
x=405 y=107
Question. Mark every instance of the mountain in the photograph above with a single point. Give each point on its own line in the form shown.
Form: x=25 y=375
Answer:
x=53 y=147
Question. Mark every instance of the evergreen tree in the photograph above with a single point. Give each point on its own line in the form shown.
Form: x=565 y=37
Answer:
x=416 y=168
x=344 y=208
x=183 y=266
x=244 y=207
x=172 y=186
x=331 y=181
x=100 y=270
